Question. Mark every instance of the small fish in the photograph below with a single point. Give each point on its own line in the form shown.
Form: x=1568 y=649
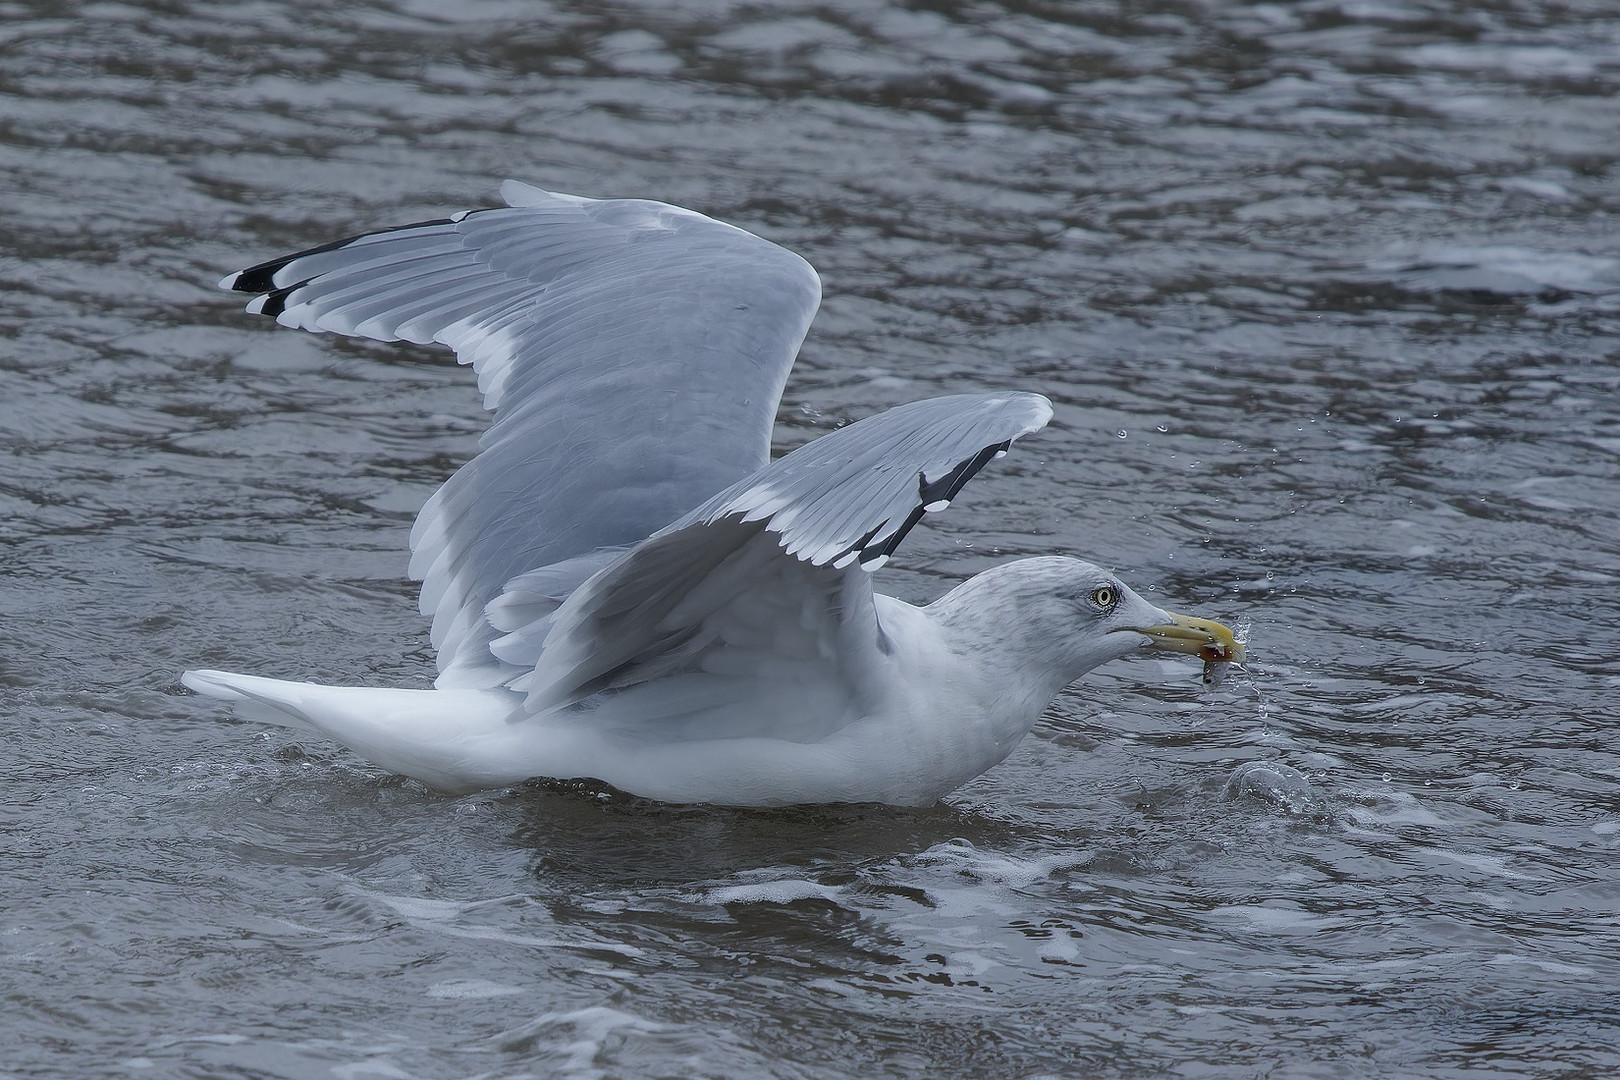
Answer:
x=1218 y=655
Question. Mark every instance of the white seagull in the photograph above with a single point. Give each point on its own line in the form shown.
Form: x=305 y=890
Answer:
x=625 y=587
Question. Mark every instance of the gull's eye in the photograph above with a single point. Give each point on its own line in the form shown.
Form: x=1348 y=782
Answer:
x=1104 y=596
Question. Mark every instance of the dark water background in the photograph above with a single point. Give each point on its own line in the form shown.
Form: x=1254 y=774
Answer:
x=1328 y=295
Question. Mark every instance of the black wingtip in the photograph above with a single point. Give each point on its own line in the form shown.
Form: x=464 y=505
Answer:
x=275 y=302
x=258 y=279
x=931 y=495
x=262 y=278
x=857 y=550
x=945 y=488
x=898 y=535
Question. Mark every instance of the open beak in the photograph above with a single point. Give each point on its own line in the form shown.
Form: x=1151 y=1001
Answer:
x=1203 y=638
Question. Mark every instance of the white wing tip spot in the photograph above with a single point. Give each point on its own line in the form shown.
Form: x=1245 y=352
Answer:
x=874 y=563
x=936 y=506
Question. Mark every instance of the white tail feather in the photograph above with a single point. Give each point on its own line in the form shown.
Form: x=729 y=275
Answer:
x=453 y=740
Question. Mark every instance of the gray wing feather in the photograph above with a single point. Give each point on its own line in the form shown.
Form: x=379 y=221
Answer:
x=633 y=352
x=848 y=497
x=853 y=494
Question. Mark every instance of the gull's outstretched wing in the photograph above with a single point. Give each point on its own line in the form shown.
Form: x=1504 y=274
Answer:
x=764 y=590
x=633 y=353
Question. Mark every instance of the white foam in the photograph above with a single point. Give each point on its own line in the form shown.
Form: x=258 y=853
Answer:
x=784 y=891
x=471 y=990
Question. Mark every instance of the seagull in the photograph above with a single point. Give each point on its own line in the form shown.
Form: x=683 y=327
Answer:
x=624 y=587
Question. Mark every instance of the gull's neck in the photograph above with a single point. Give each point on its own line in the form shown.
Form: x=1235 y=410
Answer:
x=1000 y=625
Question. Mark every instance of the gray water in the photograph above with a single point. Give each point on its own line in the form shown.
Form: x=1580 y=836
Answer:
x=1328 y=297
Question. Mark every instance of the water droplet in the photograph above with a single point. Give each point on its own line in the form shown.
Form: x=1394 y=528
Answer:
x=1120 y=433
x=1386 y=778
x=1163 y=429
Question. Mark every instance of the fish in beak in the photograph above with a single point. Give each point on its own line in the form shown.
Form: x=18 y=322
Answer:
x=1206 y=639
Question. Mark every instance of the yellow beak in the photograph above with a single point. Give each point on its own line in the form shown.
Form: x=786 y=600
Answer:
x=1203 y=638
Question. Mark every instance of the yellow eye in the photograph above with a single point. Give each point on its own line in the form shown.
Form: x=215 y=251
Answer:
x=1104 y=597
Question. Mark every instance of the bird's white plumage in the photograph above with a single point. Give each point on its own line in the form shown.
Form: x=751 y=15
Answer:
x=622 y=585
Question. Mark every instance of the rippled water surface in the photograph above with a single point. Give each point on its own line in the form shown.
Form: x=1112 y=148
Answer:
x=1328 y=297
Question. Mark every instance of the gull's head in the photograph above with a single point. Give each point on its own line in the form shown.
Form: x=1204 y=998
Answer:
x=1064 y=616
